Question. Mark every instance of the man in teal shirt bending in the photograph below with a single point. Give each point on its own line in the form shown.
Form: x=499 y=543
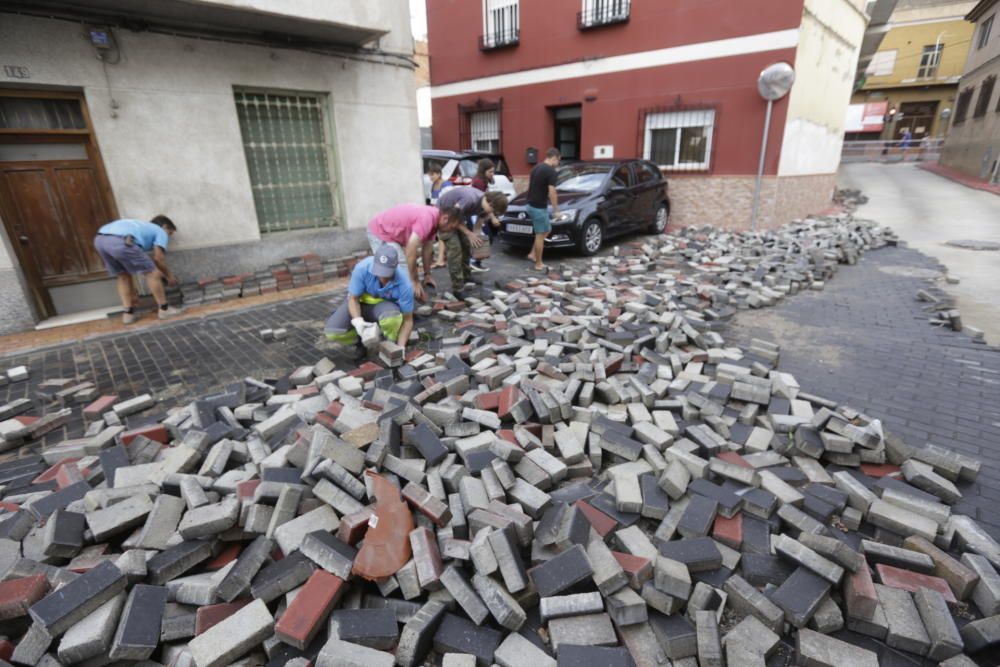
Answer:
x=123 y=245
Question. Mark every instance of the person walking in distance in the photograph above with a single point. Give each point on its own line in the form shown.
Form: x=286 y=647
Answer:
x=541 y=194
x=122 y=246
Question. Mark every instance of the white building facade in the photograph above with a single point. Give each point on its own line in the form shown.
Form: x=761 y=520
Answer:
x=263 y=128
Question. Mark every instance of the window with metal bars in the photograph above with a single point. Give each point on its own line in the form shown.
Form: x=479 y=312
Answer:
x=930 y=58
x=484 y=131
x=288 y=151
x=985 y=93
x=603 y=12
x=679 y=140
x=501 y=23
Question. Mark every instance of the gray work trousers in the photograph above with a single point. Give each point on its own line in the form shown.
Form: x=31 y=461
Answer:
x=338 y=326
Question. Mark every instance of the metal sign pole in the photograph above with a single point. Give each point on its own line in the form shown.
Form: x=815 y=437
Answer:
x=760 y=165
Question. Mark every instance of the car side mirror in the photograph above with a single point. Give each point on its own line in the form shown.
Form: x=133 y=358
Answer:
x=616 y=189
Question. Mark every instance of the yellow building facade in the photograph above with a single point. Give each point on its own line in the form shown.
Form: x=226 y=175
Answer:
x=917 y=68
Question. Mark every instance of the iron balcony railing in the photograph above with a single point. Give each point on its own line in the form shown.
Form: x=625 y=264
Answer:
x=917 y=150
x=602 y=13
x=499 y=39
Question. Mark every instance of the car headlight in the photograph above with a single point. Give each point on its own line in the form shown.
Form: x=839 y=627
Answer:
x=565 y=216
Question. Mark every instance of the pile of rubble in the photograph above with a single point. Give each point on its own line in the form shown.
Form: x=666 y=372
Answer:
x=580 y=473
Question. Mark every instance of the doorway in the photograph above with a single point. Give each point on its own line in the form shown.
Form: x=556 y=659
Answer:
x=918 y=118
x=54 y=193
x=567 y=122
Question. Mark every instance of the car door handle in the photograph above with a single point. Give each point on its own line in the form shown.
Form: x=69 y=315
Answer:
x=23 y=239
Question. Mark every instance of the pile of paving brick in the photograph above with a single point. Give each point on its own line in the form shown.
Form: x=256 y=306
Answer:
x=580 y=473
x=291 y=273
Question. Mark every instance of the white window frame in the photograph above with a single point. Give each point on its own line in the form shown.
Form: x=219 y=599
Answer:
x=510 y=21
x=985 y=28
x=929 y=69
x=668 y=120
x=882 y=63
x=484 y=126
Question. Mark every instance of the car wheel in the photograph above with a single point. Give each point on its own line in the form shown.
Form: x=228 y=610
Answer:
x=591 y=237
x=660 y=220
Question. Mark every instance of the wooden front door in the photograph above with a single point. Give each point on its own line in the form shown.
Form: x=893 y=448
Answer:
x=53 y=192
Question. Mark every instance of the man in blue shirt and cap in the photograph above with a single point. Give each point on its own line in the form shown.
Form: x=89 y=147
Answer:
x=379 y=297
x=123 y=245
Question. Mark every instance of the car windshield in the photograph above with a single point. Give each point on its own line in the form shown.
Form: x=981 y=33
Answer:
x=581 y=177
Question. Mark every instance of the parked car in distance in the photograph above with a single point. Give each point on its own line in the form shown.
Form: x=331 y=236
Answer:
x=460 y=169
x=598 y=199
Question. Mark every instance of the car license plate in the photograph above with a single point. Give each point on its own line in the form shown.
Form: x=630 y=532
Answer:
x=520 y=229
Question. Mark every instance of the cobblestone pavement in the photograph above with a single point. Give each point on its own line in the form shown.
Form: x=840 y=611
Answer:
x=865 y=341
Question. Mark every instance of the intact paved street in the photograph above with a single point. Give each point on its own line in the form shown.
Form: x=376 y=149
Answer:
x=929 y=211
x=865 y=341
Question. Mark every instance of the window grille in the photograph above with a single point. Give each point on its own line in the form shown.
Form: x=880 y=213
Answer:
x=287 y=150
x=679 y=140
x=930 y=58
x=484 y=131
x=501 y=23
x=603 y=12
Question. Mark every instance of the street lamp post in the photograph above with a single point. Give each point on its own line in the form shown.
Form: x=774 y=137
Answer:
x=772 y=84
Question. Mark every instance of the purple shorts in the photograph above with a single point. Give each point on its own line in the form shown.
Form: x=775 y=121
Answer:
x=120 y=258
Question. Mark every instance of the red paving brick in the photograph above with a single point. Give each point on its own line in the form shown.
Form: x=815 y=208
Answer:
x=156 y=432
x=100 y=406
x=488 y=401
x=638 y=569
x=733 y=457
x=50 y=474
x=601 y=522
x=17 y=595
x=308 y=611
x=859 y=592
x=246 y=489
x=225 y=557
x=881 y=470
x=213 y=614
x=729 y=531
x=895 y=577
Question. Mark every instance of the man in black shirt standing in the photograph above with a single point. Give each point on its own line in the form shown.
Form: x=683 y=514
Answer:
x=541 y=193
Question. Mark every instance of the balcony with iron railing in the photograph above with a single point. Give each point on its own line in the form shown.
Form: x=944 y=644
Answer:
x=499 y=39
x=603 y=14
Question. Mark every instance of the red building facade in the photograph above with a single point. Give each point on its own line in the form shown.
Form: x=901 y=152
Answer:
x=673 y=81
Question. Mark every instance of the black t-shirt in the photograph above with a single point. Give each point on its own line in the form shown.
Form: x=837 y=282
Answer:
x=542 y=176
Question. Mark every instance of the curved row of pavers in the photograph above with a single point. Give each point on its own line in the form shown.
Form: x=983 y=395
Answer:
x=582 y=473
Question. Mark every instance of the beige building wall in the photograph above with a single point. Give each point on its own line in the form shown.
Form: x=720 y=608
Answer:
x=825 y=62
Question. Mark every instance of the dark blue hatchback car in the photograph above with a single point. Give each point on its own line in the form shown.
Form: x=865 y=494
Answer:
x=598 y=199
